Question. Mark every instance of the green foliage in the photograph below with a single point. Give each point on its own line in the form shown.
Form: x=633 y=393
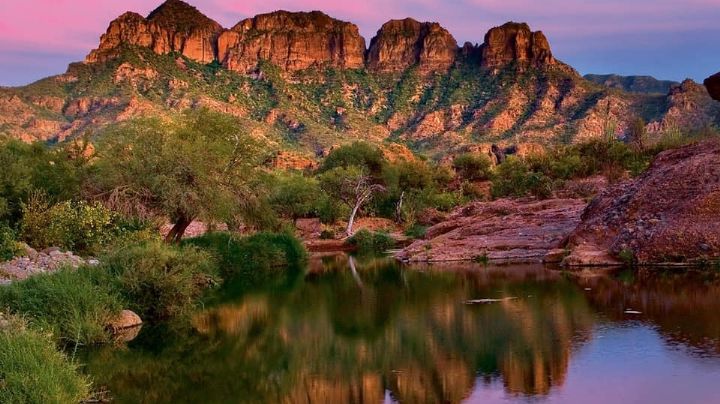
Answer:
x=197 y=165
x=9 y=247
x=75 y=305
x=255 y=258
x=31 y=168
x=514 y=178
x=32 y=370
x=359 y=154
x=473 y=167
x=82 y=227
x=160 y=281
x=295 y=196
x=627 y=256
x=416 y=231
x=367 y=242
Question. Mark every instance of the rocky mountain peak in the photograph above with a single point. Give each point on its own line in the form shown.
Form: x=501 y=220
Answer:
x=175 y=26
x=293 y=41
x=182 y=17
x=400 y=44
x=516 y=43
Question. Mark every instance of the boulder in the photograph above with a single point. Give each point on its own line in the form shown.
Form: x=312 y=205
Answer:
x=126 y=319
x=712 y=84
x=502 y=231
x=671 y=213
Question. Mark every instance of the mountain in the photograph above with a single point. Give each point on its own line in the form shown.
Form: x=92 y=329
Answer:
x=633 y=84
x=304 y=82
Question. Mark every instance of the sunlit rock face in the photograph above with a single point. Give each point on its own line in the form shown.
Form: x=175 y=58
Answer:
x=175 y=26
x=400 y=44
x=292 y=41
x=516 y=43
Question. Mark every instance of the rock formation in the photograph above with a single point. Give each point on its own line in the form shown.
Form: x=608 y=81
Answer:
x=670 y=213
x=633 y=84
x=292 y=41
x=713 y=86
x=400 y=44
x=175 y=26
x=504 y=231
x=516 y=43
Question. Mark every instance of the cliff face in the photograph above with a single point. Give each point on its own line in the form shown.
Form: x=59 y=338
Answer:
x=515 y=42
x=175 y=26
x=400 y=44
x=292 y=41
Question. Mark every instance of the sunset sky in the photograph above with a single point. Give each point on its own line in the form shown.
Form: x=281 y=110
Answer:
x=668 y=39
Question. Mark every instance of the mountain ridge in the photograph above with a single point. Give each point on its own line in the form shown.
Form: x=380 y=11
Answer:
x=305 y=82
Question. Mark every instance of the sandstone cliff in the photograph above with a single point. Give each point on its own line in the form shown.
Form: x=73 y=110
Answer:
x=175 y=26
x=400 y=44
x=516 y=43
x=292 y=41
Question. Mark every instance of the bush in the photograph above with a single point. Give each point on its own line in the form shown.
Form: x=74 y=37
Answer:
x=160 y=281
x=514 y=178
x=359 y=154
x=32 y=370
x=368 y=242
x=416 y=231
x=82 y=227
x=473 y=167
x=75 y=305
x=9 y=247
x=253 y=257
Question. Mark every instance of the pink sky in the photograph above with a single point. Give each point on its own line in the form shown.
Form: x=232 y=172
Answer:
x=667 y=38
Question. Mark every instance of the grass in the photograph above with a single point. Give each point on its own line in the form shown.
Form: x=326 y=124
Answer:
x=253 y=257
x=73 y=305
x=368 y=242
x=160 y=281
x=32 y=370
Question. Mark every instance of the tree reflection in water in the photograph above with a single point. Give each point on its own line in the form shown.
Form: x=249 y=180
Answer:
x=356 y=334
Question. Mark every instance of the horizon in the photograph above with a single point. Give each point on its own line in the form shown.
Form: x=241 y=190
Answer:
x=671 y=41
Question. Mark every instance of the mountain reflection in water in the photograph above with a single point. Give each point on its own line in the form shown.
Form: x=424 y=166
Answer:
x=386 y=332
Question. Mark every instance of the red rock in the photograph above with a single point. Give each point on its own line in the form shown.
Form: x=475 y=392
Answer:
x=670 y=213
x=515 y=42
x=502 y=231
x=292 y=41
x=126 y=319
x=400 y=44
x=175 y=26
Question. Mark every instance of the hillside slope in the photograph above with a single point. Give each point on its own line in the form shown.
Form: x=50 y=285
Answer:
x=305 y=82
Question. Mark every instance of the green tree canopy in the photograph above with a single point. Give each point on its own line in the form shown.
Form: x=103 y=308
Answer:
x=196 y=165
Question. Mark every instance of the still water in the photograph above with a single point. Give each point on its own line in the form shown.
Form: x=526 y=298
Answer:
x=375 y=332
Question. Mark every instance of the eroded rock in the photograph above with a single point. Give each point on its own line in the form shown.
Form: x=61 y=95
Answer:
x=671 y=213
x=713 y=86
x=504 y=230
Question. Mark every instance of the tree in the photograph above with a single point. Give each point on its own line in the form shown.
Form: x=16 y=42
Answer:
x=473 y=167
x=295 y=196
x=353 y=186
x=197 y=164
x=359 y=154
x=637 y=134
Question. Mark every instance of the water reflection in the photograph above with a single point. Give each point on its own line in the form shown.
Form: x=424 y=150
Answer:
x=382 y=332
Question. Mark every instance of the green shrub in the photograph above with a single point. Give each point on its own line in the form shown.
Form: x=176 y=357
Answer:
x=75 y=305
x=514 y=178
x=82 y=227
x=32 y=370
x=416 y=231
x=160 y=281
x=327 y=235
x=473 y=167
x=252 y=258
x=9 y=247
x=367 y=242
